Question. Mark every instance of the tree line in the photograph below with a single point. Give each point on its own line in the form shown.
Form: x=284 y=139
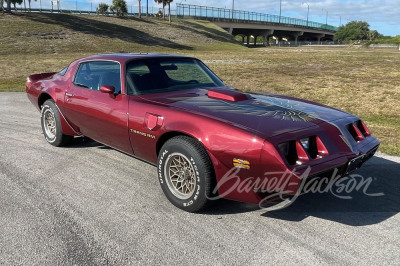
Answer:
x=14 y=3
x=356 y=32
x=118 y=7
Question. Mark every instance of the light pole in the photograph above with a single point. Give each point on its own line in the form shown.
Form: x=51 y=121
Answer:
x=308 y=11
x=233 y=7
x=280 y=10
x=340 y=20
x=326 y=21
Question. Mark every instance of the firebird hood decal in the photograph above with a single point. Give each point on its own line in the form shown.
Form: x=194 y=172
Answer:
x=268 y=114
x=279 y=109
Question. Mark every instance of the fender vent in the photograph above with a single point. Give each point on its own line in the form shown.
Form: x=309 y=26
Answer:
x=358 y=130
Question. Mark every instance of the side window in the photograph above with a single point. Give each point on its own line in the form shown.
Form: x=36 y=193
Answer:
x=138 y=77
x=92 y=75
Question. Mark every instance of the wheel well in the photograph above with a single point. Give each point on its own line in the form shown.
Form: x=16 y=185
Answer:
x=164 y=138
x=42 y=98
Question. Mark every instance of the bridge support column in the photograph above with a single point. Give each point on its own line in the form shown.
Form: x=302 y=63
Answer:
x=319 y=36
x=266 y=35
x=279 y=40
x=265 y=40
x=297 y=35
x=248 y=40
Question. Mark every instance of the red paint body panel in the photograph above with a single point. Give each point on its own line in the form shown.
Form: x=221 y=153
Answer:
x=100 y=116
x=229 y=124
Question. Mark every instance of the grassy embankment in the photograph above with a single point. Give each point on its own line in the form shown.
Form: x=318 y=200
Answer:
x=361 y=81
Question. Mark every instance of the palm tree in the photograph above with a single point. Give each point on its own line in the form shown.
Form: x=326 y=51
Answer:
x=163 y=6
x=164 y=3
x=8 y=10
x=15 y=2
x=29 y=3
x=119 y=7
x=140 y=9
x=169 y=10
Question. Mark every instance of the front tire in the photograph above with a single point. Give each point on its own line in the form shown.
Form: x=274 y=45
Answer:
x=51 y=125
x=185 y=173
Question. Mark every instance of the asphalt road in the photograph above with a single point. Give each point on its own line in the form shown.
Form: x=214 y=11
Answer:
x=91 y=205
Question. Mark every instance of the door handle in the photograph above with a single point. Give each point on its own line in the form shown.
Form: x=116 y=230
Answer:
x=68 y=94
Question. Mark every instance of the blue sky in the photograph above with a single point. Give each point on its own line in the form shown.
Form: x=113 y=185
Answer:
x=382 y=15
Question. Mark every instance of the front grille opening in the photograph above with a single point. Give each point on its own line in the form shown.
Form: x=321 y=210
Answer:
x=315 y=147
x=355 y=132
x=288 y=149
x=294 y=152
x=363 y=128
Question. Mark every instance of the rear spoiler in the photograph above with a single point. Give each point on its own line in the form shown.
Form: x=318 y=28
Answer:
x=36 y=77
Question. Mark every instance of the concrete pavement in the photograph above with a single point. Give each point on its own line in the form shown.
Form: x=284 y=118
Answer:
x=91 y=205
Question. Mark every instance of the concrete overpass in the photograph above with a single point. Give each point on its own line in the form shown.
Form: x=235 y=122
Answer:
x=246 y=24
x=267 y=30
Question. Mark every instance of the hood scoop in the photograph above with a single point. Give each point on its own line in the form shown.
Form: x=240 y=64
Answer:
x=227 y=95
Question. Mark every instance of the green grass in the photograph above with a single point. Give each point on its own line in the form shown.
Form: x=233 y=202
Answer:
x=34 y=42
x=387 y=40
x=365 y=82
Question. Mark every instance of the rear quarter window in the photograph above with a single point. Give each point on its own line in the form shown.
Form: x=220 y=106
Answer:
x=62 y=72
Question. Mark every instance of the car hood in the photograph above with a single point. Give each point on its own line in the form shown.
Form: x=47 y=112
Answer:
x=267 y=114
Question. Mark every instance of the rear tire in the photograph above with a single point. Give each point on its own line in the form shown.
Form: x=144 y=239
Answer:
x=185 y=173
x=51 y=125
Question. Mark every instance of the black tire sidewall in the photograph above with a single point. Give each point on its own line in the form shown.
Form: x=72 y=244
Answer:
x=201 y=168
x=57 y=140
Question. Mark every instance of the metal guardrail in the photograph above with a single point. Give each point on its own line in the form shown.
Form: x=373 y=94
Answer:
x=185 y=10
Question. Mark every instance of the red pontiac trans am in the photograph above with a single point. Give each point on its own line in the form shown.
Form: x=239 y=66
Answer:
x=206 y=138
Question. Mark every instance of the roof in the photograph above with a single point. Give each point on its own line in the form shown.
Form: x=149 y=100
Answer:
x=129 y=56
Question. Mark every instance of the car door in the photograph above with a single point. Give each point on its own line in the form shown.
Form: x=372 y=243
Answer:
x=97 y=115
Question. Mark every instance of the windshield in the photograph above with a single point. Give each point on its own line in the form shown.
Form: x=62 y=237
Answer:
x=168 y=74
